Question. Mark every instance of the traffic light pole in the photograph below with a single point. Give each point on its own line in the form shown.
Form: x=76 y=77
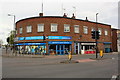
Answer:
x=96 y=37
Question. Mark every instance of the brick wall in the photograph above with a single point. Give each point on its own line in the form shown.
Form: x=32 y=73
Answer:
x=114 y=40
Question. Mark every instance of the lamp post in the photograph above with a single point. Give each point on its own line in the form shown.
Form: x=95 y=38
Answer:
x=96 y=37
x=14 y=32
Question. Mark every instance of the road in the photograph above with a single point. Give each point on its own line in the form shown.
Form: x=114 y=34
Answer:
x=50 y=67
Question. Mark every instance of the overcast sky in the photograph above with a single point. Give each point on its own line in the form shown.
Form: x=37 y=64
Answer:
x=107 y=9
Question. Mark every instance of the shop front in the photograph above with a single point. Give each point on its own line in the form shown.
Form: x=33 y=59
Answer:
x=107 y=47
x=59 y=47
x=31 y=48
x=87 y=48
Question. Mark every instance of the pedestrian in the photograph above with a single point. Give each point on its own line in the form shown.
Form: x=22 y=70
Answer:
x=41 y=50
x=33 y=50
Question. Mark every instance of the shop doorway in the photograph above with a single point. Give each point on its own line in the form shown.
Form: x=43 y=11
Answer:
x=59 y=49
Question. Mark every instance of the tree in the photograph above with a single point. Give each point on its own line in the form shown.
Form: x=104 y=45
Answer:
x=10 y=39
x=1 y=43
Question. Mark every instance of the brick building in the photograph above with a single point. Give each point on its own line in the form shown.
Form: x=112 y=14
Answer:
x=114 y=40
x=62 y=34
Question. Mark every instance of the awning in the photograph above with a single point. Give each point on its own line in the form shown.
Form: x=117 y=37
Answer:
x=107 y=42
x=30 y=44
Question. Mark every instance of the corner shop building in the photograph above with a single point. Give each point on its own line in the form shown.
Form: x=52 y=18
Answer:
x=62 y=34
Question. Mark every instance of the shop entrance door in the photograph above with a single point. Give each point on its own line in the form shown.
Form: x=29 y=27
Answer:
x=60 y=49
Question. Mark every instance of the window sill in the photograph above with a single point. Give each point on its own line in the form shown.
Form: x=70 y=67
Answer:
x=40 y=32
x=54 y=31
x=66 y=32
x=29 y=32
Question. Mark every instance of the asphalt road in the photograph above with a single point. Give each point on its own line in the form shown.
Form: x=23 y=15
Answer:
x=50 y=67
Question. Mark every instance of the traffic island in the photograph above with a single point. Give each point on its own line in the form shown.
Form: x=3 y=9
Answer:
x=100 y=58
x=69 y=61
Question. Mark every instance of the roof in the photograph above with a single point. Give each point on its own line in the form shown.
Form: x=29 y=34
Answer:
x=60 y=17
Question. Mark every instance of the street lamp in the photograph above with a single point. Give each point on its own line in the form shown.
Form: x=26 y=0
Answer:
x=96 y=37
x=14 y=31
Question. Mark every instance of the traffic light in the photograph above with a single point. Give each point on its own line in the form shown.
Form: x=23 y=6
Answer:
x=95 y=34
x=8 y=39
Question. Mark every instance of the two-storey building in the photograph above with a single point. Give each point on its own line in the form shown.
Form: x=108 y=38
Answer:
x=62 y=34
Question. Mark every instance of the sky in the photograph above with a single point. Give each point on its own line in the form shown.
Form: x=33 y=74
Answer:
x=107 y=9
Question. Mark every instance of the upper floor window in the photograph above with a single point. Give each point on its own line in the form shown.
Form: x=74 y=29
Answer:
x=106 y=32
x=100 y=30
x=76 y=28
x=92 y=29
x=54 y=27
x=66 y=28
x=40 y=27
x=85 y=29
x=29 y=29
x=20 y=30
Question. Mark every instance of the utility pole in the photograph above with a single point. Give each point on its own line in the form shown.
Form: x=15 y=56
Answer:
x=14 y=32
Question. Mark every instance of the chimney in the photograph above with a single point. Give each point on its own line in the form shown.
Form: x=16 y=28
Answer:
x=64 y=15
x=40 y=14
x=73 y=16
x=86 y=19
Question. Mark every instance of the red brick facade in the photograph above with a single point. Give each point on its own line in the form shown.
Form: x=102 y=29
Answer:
x=114 y=40
x=76 y=37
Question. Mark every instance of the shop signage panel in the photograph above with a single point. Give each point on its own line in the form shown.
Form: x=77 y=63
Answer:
x=34 y=38
x=19 y=44
x=59 y=37
x=30 y=44
x=41 y=37
x=21 y=38
x=59 y=42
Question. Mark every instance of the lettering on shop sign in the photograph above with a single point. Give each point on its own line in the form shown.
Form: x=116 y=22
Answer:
x=30 y=44
x=59 y=37
x=47 y=37
x=59 y=42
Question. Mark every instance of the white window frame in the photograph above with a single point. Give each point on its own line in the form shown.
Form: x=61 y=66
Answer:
x=100 y=30
x=29 y=29
x=106 y=32
x=54 y=27
x=76 y=29
x=20 y=30
x=85 y=29
x=66 y=28
x=40 y=27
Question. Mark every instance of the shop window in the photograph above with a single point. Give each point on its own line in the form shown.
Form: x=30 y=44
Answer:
x=40 y=27
x=29 y=29
x=54 y=27
x=66 y=28
x=85 y=30
x=20 y=30
x=76 y=28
